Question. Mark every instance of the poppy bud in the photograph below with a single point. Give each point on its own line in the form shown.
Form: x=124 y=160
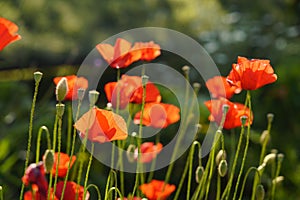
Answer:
x=61 y=89
x=244 y=120
x=196 y=86
x=225 y=109
x=261 y=167
x=37 y=76
x=60 y=109
x=80 y=93
x=278 y=179
x=48 y=160
x=145 y=80
x=221 y=155
x=199 y=173
x=93 y=97
x=280 y=157
x=270 y=117
x=186 y=70
x=269 y=158
x=260 y=192
x=264 y=137
x=222 y=168
x=130 y=153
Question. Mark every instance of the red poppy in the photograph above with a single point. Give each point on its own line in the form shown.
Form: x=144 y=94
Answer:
x=158 y=115
x=149 y=50
x=148 y=151
x=130 y=198
x=130 y=89
x=35 y=194
x=74 y=83
x=157 y=190
x=251 y=74
x=119 y=56
x=219 y=87
x=70 y=191
x=63 y=164
x=102 y=125
x=233 y=116
x=7 y=32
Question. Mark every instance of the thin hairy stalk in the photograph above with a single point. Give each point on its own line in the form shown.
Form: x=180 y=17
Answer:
x=110 y=182
x=88 y=170
x=69 y=130
x=245 y=179
x=97 y=190
x=38 y=141
x=273 y=186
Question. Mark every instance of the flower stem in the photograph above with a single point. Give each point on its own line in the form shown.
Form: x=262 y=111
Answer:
x=245 y=178
x=97 y=190
x=88 y=170
x=70 y=127
x=36 y=88
x=38 y=141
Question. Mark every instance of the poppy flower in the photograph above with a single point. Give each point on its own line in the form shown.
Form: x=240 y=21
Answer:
x=70 y=191
x=251 y=74
x=35 y=194
x=157 y=190
x=119 y=56
x=7 y=32
x=130 y=198
x=219 y=87
x=149 y=50
x=158 y=115
x=102 y=125
x=63 y=164
x=130 y=89
x=148 y=151
x=233 y=116
x=74 y=83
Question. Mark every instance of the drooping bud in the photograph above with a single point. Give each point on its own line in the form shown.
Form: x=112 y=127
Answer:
x=130 y=153
x=48 y=160
x=270 y=117
x=260 y=192
x=145 y=80
x=244 y=120
x=60 y=109
x=261 y=167
x=222 y=168
x=278 y=179
x=37 y=76
x=80 y=93
x=199 y=173
x=221 y=155
x=269 y=158
x=61 y=89
x=264 y=137
x=93 y=97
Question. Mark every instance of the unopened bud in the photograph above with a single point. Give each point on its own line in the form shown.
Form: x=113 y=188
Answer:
x=269 y=158
x=130 y=153
x=278 y=179
x=270 y=117
x=244 y=120
x=222 y=168
x=221 y=155
x=61 y=89
x=196 y=86
x=93 y=97
x=225 y=108
x=280 y=157
x=145 y=80
x=199 y=173
x=60 y=109
x=48 y=160
x=261 y=167
x=264 y=137
x=186 y=70
x=275 y=151
x=260 y=192
x=37 y=76
x=109 y=106
x=80 y=93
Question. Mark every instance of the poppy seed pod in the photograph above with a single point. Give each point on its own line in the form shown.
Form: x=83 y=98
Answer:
x=221 y=155
x=145 y=80
x=37 y=76
x=199 y=173
x=80 y=93
x=265 y=136
x=60 y=109
x=196 y=86
x=48 y=160
x=244 y=120
x=270 y=117
x=61 y=89
x=186 y=70
x=260 y=192
x=222 y=168
x=93 y=97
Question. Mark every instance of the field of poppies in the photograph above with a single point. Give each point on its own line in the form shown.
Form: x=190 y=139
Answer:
x=61 y=161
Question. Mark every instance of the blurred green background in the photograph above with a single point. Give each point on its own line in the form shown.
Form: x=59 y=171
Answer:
x=57 y=35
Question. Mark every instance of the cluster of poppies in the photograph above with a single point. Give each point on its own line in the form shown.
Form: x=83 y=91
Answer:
x=245 y=75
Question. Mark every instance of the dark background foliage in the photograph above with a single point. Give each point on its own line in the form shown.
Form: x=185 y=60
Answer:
x=57 y=35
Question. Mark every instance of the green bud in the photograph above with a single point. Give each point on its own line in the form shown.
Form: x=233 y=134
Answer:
x=80 y=93
x=93 y=97
x=61 y=89
x=60 y=109
x=37 y=76
x=145 y=80
x=199 y=173
x=265 y=136
x=48 y=160
x=260 y=192
x=221 y=155
x=222 y=168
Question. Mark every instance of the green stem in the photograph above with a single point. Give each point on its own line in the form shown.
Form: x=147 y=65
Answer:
x=151 y=174
x=70 y=127
x=117 y=190
x=218 y=187
x=38 y=141
x=88 y=170
x=109 y=182
x=30 y=133
x=97 y=190
x=273 y=187
x=245 y=178
x=1 y=193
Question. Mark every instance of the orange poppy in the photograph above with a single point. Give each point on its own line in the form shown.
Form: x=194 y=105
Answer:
x=63 y=164
x=154 y=190
x=119 y=56
x=148 y=151
x=7 y=32
x=158 y=115
x=233 y=116
x=70 y=191
x=149 y=50
x=130 y=90
x=219 y=87
x=74 y=83
x=251 y=74
x=102 y=125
